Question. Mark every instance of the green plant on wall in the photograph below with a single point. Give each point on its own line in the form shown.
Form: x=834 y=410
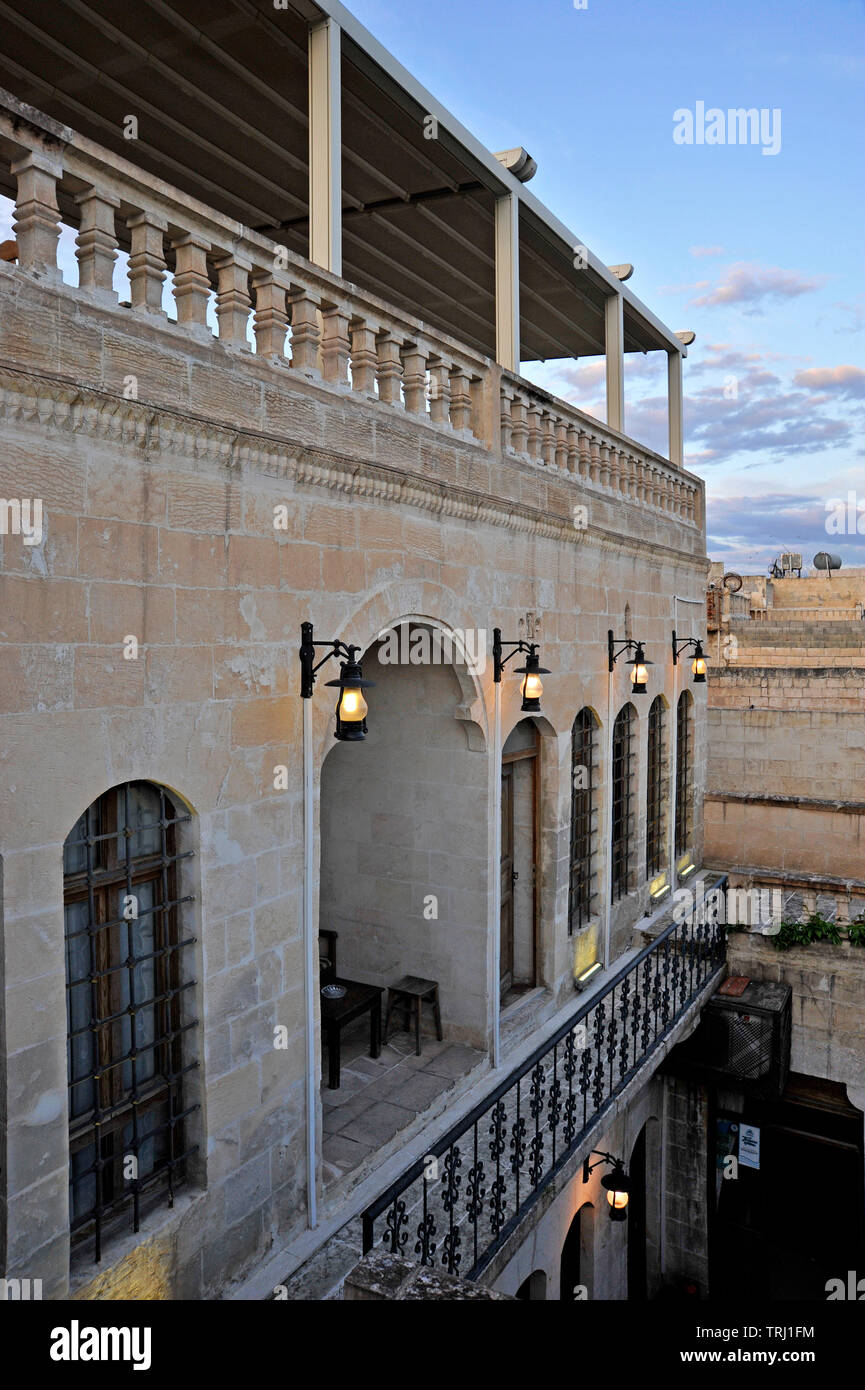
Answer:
x=856 y=932
x=816 y=928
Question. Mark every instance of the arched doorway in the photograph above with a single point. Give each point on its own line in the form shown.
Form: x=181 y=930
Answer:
x=637 y=1280
x=403 y=886
x=519 y=859
x=576 y=1270
x=533 y=1289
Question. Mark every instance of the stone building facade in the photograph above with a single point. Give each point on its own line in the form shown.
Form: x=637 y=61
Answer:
x=201 y=495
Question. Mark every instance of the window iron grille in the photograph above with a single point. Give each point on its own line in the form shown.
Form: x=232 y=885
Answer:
x=684 y=773
x=125 y=1017
x=583 y=753
x=623 y=758
x=655 y=790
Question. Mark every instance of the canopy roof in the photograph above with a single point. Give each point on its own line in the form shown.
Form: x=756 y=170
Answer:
x=220 y=92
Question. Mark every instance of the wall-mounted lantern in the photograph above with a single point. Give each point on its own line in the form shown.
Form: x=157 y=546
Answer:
x=616 y=1184
x=351 y=707
x=698 y=664
x=532 y=687
x=638 y=662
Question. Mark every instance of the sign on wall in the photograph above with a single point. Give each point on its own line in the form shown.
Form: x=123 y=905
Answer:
x=749 y=1146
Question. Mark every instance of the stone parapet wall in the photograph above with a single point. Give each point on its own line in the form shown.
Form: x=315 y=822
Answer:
x=828 y=984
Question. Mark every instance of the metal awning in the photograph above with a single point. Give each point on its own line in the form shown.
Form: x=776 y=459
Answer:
x=220 y=92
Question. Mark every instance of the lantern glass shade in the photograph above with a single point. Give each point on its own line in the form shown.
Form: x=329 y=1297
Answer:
x=351 y=707
x=533 y=688
x=639 y=671
x=698 y=666
x=618 y=1189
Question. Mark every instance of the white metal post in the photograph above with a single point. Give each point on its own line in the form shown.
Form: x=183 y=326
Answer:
x=325 y=146
x=608 y=817
x=497 y=870
x=309 y=942
x=507 y=235
x=614 y=359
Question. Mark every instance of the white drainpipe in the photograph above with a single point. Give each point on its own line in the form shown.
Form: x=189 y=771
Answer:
x=497 y=872
x=309 y=947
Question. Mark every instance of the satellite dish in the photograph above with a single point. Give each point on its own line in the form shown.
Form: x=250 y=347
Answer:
x=733 y=582
x=824 y=561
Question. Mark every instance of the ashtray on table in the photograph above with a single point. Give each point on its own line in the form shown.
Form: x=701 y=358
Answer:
x=332 y=991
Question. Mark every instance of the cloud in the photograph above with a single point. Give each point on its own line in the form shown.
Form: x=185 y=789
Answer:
x=844 y=380
x=750 y=530
x=856 y=311
x=706 y=250
x=751 y=284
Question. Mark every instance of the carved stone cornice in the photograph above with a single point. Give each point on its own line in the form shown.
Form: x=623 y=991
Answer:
x=55 y=402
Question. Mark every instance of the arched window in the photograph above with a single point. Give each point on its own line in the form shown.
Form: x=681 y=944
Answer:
x=623 y=776
x=583 y=778
x=125 y=1015
x=655 y=790
x=684 y=771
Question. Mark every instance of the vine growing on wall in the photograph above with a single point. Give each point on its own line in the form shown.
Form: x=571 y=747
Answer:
x=816 y=928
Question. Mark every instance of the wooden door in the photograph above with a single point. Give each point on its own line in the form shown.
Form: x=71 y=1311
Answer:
x=506 y=963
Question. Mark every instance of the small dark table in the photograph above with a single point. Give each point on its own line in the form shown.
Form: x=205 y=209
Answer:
x=410 y=993
x=336 y=1013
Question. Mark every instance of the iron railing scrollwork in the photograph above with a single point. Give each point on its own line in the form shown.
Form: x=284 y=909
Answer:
x=459 y=1203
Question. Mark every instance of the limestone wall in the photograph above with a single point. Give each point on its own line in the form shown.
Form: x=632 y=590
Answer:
x=828 y=984
x=159 y=524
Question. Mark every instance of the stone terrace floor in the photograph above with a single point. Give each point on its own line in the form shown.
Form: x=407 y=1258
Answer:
x=379 y=1097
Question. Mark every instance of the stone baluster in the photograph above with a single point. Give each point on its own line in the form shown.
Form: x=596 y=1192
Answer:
x=615 y=462
x=652 y=494
x=233 y=301
x=640 y=477
x=533 y=418
x=439 y=393
x=664 y=489
x=414 y=359
x=506 y=400
x=335 y=344
x=573 y=449
x=461 y=399
x=147 y=261
x=270 y=321
x=37 y=217
x=594 y=459
x=548 y=437
x=520 y=430
x=562 y=446
x=305 y=331
x=192 y=282
x=664 y=485
x=809 y=902
x=96 y=243
x=842 y=907
x=585 y=455
x=604 y=471
x=389 y=368
x=630 y=476
x=364 y=358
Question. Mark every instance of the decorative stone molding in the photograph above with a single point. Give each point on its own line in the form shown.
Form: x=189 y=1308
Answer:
x=26 y=397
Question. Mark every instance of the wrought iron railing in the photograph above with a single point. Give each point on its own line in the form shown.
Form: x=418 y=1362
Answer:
x=461 y=1201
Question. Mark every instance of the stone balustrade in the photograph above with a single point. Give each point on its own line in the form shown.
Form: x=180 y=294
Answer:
x=281 y=306
x=554 y=434
x=804 y=895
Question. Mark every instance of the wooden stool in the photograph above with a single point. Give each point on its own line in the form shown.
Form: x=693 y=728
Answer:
x=411 y=991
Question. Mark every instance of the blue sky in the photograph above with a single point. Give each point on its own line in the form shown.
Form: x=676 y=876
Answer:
x=761 y=255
